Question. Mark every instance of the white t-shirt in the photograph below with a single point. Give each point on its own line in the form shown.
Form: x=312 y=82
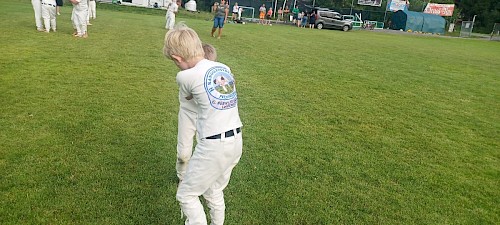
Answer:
x=213 y=89
x=172 y=8
x=235 y=9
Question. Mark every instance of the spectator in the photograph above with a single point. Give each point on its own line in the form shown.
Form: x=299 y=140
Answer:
x=59 y=3
x=269 y=15
x=299 y=19
x=286 y=12
x=312 y=20
x=295 y=12
x=236 y=9
x=262 y=14
x=280 y=14
x=221 y=11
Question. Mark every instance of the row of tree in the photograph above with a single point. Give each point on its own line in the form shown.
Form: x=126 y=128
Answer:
x=487 y=11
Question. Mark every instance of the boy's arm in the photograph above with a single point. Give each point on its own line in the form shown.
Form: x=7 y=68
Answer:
x=184 y=89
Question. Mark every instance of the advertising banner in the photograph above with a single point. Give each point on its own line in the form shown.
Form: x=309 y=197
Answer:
x=370 y=2
x=395 y=5
x=440 y=9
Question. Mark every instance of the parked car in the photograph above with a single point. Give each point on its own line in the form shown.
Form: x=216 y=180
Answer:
x=333 y=20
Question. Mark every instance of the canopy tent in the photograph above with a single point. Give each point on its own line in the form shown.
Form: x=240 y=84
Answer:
x=416 y=21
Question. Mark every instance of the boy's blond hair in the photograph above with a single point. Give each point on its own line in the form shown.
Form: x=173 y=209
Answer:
x=210 y=52
x=184 y=42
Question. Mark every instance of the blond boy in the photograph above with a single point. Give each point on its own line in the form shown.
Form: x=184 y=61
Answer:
x=218 y=126
x=187 y=123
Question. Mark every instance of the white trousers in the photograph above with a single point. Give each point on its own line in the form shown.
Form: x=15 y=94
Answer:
x=37 y=7
x=79 y=17
x=208 y=173
x=49 y=16
x=92 y=12
x=170 y=20
x=185 y=138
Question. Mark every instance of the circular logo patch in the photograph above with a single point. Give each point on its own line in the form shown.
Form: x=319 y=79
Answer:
x=219 y=85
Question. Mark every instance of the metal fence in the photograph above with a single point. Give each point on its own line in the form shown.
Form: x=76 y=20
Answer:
x=466 y=29
x=495 y=33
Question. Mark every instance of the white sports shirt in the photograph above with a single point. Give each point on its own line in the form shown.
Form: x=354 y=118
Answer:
x=172 y=8
x=213 y=89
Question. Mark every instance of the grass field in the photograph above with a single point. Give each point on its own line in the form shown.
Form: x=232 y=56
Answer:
x=339 y=127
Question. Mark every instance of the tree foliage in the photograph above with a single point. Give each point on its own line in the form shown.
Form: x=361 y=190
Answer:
x=487 y=11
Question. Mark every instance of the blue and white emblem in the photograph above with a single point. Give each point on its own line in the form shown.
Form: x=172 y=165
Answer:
x=219 y=85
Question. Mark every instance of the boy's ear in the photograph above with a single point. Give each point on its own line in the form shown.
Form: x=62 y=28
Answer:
x=177 y=58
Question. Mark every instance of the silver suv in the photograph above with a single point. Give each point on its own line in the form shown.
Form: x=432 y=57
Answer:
x=332 y=19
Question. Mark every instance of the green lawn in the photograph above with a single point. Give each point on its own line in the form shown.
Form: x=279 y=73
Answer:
x=340 y=127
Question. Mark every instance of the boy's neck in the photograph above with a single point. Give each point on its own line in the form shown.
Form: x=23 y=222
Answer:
x=192 y=63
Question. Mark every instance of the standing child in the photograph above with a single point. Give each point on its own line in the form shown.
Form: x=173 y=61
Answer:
x=236 y=9
x=79 y=17
x=286 y=13
x=280 y=15
x=187 y=123
x=218 y=126
x=304 y=20
x=91 y=14
x=37 y=8
x=299 y=19
x=269 y=15
x=172 y=9
x=240 y=10
x=49 y=14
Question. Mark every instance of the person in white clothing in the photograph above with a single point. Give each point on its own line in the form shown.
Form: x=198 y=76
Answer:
x=171 y=11
x=236 y=9
x=79 y=17
x=218 y=126
x=37 y=7
x=91 y=14
x=240 y=10
x=187 y=123
x=49 y=14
